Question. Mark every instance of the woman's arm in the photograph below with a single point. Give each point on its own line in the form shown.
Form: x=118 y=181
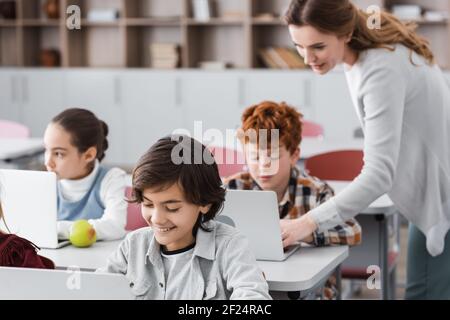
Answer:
x=382 y=95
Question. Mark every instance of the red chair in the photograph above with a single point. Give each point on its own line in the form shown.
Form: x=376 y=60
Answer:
x=311 y=129
x=229 y=161
x=134 y=216
x=346 y=165
x=11 y=129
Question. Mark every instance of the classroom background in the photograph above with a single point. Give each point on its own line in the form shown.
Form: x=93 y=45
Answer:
x=148 y=67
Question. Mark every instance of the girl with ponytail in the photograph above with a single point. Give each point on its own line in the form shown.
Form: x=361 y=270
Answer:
x=75 y=144
x=403 y=103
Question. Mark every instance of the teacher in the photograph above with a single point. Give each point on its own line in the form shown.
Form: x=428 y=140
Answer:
x=403 y=104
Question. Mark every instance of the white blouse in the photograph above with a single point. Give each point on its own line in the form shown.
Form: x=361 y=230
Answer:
x=404 y=110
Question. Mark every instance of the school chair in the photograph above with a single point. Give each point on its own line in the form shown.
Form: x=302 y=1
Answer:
x=311 y=129
x=134 y=216
x=346 y=165
x=229 y=161
x=11 y=129
x=343 y=165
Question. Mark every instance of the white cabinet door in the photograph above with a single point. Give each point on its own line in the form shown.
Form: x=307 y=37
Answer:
x=152 y=110
x=294 y=88
x=42 y=94
x=333 y=106
x=447 y=77
x=214 y=99
x=99 y=91
x=9 y=95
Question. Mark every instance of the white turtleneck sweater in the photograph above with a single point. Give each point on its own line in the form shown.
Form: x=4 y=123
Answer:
x=111 y=225
x=405 y=114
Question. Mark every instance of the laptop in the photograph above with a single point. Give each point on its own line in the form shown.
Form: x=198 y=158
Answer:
x=43 y=284
x=29 y=203
x=255 y=214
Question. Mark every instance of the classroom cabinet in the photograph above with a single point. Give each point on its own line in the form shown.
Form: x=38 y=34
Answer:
x=211 y=101
x=294 y=88
x=99 y=91
x=333 y=106
x=447 y=77
x=152 y=109
x=31 y=97
x=9 y=96
x=141 y=106
x=42 y=98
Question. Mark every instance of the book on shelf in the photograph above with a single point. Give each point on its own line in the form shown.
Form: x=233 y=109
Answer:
x=202 y=10
x=407 y=11
x=266 y=16
x=103 y=15
x=213 y=65
x=435 y=16
x=164 y=63
x=164 y=55
x=281 y=58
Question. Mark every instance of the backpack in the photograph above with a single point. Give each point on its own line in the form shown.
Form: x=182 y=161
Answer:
x=21 y=253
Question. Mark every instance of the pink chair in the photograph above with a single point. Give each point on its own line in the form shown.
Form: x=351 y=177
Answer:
x=10 y=129
x=311 y=129
x=134 y=216
x=229 y=161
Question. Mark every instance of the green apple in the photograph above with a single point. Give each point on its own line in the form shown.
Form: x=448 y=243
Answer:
x=82 y=234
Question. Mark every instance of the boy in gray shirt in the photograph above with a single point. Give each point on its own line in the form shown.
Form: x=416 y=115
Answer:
x=184 y=254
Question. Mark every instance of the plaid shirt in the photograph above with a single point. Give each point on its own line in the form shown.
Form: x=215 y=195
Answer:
x=304 y=193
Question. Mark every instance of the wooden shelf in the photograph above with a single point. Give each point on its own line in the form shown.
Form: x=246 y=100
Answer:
x=8 y=23
x=215 y=22
x=235 y=34
x=429 y=22
x=152 y=22
x=268 y=22
x=40 y=23
x=88 y=23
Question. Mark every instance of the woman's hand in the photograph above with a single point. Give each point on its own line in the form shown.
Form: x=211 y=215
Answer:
x=301 y=229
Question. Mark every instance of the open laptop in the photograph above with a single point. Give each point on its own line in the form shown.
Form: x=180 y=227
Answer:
x=29 y=202
x=255 y=214
x=43 y=284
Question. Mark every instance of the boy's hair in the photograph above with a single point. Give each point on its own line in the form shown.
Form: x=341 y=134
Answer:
x=85 y=128
x=271 y=115
x=198 y=178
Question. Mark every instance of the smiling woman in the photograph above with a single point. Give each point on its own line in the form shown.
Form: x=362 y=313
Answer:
x=327 y=32
x=402 y=119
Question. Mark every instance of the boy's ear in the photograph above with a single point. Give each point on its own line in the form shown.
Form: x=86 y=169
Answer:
x=295 y=157
x=90 y=154
x=205 y=209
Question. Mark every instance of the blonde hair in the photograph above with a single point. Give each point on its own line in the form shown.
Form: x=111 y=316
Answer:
x=342 y=18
